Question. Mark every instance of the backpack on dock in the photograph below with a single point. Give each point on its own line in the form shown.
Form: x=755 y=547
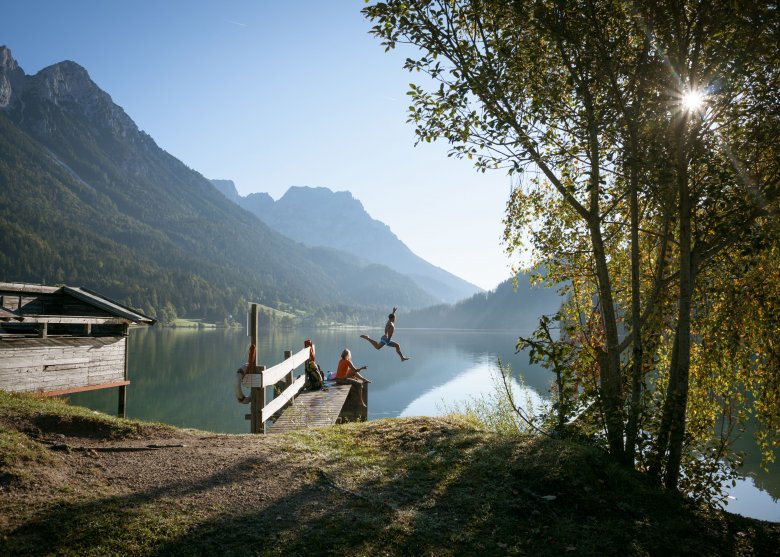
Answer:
x=314 y=377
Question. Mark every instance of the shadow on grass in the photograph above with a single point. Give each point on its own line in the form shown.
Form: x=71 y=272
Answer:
x=441 y=493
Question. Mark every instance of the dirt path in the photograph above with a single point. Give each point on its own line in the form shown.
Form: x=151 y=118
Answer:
x=85 y=485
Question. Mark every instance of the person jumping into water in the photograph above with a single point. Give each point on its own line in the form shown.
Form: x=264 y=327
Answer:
x=386 y=338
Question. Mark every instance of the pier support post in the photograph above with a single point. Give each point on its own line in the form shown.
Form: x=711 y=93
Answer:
x=353 y=410
x=288 y=380
x=256 y=394
x=121 y=410
x=256 y=405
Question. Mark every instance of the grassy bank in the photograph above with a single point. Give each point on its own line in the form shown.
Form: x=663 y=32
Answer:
x=75 y=482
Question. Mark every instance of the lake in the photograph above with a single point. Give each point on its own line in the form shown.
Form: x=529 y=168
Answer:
x=184 y=377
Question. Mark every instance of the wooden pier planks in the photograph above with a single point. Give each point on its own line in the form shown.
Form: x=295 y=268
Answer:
x=312 y=409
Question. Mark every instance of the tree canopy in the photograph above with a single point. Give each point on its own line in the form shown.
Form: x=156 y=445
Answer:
x=642 y=141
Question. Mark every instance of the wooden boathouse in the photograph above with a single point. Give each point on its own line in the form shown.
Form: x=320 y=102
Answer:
x=62 y=340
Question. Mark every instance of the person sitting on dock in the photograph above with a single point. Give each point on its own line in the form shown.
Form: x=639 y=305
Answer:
x=314 y=374
x=347 y=373
x=387 y=337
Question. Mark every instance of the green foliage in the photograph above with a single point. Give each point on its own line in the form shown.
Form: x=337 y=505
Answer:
x=499 y=410
x=650 y=216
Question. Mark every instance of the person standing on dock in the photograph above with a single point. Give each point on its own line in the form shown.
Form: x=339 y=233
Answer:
x=387 y=337
x=347 y=373
x=315 y=377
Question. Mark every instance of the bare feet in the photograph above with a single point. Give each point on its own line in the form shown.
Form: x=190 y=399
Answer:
x=403 y=358
x=365 y=337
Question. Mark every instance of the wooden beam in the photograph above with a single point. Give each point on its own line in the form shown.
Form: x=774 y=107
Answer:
x=24 y=287
x=284 y=397
x=8 y=315
x=256 y=403
x=106 y=304
x=57 y=319
x=274 y=374
x=81 y=389
x=122 y=401
x=256 y=394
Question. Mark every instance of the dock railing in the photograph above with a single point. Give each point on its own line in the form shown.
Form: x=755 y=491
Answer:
x=258 y=382
x=326 y=406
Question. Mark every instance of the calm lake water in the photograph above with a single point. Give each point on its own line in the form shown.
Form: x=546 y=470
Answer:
x=184 y=377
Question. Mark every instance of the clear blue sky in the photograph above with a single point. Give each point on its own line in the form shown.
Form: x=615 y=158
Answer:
x=272 y=95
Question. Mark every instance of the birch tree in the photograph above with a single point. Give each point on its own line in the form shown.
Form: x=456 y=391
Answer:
x=623 y=126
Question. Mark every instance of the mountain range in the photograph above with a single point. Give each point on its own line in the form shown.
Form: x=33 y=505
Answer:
x=512 y=305
x=317 y=216
x=87 y=198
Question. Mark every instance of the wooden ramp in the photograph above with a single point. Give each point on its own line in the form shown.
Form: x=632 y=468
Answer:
x=312 y=409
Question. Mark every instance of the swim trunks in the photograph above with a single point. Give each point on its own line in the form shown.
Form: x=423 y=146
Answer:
x=384 y=340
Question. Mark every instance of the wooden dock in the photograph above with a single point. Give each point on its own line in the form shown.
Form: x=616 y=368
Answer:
x=278 y=401
x=313 y=409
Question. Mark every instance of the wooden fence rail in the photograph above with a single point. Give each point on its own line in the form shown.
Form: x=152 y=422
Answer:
x=258 y=382
x=276 y=377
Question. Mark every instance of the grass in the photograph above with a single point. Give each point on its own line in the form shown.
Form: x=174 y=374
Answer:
x=56 y=415
x=181 y=323
x=406 y=486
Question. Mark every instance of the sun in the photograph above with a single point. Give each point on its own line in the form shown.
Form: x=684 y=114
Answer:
x=693 y=101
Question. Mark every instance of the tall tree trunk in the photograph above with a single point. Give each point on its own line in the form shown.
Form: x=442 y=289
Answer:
x=680 y=401
x=610 y=380
x=672 y=431
x=609 y=377
x=636 y=328
x=661 y=444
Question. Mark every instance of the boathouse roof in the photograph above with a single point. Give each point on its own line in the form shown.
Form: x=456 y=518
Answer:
x=36 y=303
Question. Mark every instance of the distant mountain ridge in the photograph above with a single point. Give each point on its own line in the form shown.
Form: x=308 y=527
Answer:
x=87 y=198
x=505 y=308
x=317 y=216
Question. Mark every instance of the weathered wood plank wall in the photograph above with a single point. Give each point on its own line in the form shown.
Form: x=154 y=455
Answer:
x=53 y=364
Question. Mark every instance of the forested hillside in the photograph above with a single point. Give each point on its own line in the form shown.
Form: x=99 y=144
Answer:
x=506 y=307
x=88 y=199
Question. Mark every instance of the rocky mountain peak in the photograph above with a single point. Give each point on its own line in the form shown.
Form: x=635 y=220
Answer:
x=228 y=189
x=12 y=78
x=68 y=85
x=7 y=61
x=68 y=82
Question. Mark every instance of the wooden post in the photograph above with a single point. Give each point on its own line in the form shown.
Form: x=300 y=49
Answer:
x=290 y=377
x=353 y=410
x=257 y=394
x=256 y=405
x=122 y=394
x=121 y=410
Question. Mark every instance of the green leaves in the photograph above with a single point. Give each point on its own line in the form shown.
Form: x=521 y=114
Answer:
x=583 y=103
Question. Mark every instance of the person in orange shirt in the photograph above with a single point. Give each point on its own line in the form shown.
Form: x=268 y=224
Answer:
x=348 y=374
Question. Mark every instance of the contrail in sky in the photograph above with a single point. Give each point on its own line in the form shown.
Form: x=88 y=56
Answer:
x=236 y=23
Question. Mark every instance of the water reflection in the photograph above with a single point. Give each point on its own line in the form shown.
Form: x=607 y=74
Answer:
x=185 y=378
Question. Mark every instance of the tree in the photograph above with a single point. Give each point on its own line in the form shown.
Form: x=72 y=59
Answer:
x=626 y=193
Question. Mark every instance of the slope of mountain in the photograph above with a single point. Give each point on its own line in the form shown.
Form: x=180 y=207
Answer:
x=321 y=217
x=87 y=198
x=502 y=308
